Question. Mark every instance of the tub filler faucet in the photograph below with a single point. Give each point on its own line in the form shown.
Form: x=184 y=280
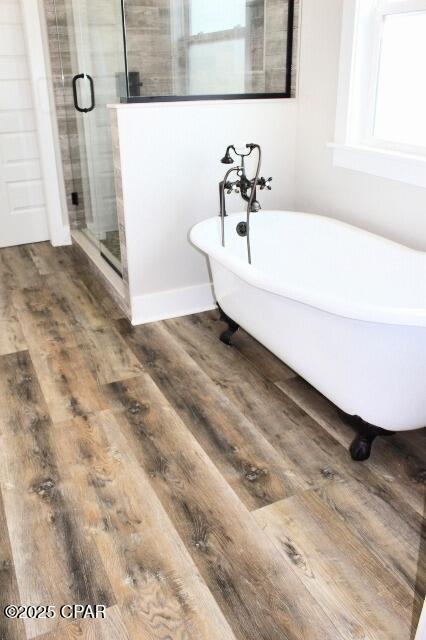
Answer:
x=244 y=186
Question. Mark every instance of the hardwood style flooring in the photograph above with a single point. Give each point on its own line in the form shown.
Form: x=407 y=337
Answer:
x=198 y=491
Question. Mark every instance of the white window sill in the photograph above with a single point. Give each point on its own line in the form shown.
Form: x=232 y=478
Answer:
x=393 y=165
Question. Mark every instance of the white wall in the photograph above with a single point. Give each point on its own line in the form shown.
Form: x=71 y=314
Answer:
x=387 y=207
x=170 y=161
x=170 y=156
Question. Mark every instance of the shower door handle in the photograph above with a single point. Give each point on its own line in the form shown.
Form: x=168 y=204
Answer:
x=76 y=78
x=81 y=76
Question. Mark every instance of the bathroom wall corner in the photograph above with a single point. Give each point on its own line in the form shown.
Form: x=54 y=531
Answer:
x=171 y=304
x=119 y=200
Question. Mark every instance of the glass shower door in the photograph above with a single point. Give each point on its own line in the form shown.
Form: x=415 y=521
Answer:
x=96 y=57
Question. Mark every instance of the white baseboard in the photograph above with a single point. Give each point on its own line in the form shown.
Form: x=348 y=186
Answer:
x=172 y=304
x=61 y=237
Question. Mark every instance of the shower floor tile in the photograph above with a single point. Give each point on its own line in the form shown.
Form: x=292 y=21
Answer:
x=112 y=243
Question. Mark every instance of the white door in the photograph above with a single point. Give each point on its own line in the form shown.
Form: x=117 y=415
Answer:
x=23 y=215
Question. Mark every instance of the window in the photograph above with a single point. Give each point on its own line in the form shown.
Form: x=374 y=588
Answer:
x=220 y=15
x=381 y=120
x=399 y=119
x=216 y=47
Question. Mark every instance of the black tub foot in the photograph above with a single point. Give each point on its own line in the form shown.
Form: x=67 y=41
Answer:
x=232 y=328
x=360 y=448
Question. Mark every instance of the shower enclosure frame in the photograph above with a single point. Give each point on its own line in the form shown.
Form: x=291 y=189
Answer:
x=90 y=154
x=227 y=96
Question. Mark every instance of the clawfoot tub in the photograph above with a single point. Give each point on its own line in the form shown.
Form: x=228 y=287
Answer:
x=344 y=308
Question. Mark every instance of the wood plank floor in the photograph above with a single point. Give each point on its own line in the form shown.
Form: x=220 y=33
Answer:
x=197 y=491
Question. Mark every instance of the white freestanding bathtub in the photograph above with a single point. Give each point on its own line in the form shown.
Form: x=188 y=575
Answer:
x=344 y=308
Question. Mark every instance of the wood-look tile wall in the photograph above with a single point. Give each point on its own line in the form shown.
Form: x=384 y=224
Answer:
x=276 y=25
x=149 y=45
x=61 y=67
x=120 y=203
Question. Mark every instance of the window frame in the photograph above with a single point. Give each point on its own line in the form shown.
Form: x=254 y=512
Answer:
x=355 y=147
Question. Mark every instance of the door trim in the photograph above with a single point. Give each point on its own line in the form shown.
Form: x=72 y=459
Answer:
x=35 y=33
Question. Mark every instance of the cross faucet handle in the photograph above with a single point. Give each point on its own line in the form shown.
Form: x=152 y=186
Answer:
x=264 y=183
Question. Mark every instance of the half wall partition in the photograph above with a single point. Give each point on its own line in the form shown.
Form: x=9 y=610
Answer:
x=111 y=51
